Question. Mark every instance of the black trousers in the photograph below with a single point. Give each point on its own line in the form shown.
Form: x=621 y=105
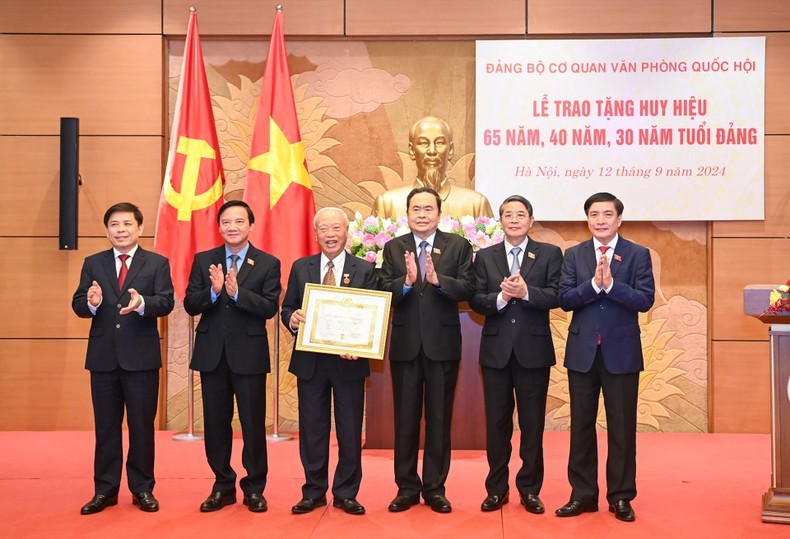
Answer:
x=415 y=383
x=620 y=395
x=219 y=388
x=315 y=423
x=138 y=393
x=503 y=388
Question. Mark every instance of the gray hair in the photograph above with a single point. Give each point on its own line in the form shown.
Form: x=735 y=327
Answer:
x=329 y=209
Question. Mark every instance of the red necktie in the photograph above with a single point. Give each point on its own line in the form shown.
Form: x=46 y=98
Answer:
x=603 y=249
x=124 y=270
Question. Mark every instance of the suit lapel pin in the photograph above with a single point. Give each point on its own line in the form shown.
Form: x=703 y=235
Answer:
x=437 y=251
x=346 y=279
x=618 y=258
x=250 y=261
x=531 y=255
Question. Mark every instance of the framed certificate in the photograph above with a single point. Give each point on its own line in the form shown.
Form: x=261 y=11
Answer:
x=342 y=320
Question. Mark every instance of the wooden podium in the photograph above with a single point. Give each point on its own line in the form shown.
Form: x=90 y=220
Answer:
x=469 y=422
x=776 y=501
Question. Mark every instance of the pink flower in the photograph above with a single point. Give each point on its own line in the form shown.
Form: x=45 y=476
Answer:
x=382 y=238
x=368 y=241
x=370 y=256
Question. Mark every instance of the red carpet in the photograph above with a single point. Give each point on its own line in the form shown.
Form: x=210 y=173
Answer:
x=690 y=485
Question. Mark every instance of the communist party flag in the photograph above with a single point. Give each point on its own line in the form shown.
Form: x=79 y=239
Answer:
x=194 y=178
x=278 y=185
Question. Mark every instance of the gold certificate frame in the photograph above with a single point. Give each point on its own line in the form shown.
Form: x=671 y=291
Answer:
x=342 y=320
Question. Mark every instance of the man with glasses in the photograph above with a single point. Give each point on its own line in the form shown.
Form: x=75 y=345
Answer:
x=516 y=287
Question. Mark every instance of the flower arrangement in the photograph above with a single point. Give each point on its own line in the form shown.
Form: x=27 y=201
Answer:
x=779 y=300
x=367 y=236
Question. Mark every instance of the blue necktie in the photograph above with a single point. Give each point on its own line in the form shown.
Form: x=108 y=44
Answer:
x=422 y=257
x=515 y=267
x=234 y=261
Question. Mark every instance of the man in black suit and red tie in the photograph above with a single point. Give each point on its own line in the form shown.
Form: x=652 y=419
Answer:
x=324 y=378
x=123 y=290
x=606 y=282
x=516 y=288
x=235 y=288
x=428 y=273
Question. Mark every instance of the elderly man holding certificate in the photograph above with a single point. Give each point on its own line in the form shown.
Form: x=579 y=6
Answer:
x=323 y=376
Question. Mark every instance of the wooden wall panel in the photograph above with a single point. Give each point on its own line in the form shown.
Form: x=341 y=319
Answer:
x=752 y=16
x=113 y=169
x=255 y=18
x=38 y=283
x=618 y=16
x=81 y=17
x=112 y=83
x=777 y=84
x=44 y=385
x=777 y=197
x=741 y=382
x=736 y=263
x=435 y=18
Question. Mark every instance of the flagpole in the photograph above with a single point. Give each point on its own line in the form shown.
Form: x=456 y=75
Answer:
x=190 y=435
x=275 y=436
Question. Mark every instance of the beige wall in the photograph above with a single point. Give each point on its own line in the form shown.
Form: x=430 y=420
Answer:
x=104 y=61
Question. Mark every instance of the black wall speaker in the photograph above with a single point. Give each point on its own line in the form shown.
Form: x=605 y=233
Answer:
x=69 y=182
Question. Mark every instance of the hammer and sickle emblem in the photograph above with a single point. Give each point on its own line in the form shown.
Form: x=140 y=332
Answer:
x=189 y=200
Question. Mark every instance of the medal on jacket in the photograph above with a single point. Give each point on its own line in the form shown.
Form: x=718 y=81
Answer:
x=346 y=279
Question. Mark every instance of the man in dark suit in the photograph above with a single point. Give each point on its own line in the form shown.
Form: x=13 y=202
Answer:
x=516 y=287
x=606 y=281
x=235 y=288
x=123 y=290
x=324 y=377
x=425 y=345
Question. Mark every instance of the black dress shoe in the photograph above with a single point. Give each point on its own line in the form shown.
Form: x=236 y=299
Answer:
x=439 y=504
x=217 y=501
x=495 y=502
x=623 y=511
x=574 y=508
x=256 y=503
x=402 y=503
x=532 y=503
x=98 y=503
x=306 y=505
x=146 y=501
x=349 y=505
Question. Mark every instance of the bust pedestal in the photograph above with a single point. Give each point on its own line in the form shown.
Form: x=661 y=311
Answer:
x=469 y=423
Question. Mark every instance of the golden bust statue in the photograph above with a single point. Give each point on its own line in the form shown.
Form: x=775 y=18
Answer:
x=431 y=147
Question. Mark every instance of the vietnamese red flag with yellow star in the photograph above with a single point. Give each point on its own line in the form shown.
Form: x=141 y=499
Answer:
x=278 y=187
x=194 y=178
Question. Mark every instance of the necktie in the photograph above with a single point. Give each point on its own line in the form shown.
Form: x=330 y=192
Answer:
x=515 y=266
x=422 y=257
x=234 y=263
x=123 y=271
x=603 y=249
x=329 y=277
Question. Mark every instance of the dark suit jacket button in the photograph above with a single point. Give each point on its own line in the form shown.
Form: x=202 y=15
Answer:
x=602 y=307
x=120 y=306
x=227 y=306
x=117 y=326
x=512 y=320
